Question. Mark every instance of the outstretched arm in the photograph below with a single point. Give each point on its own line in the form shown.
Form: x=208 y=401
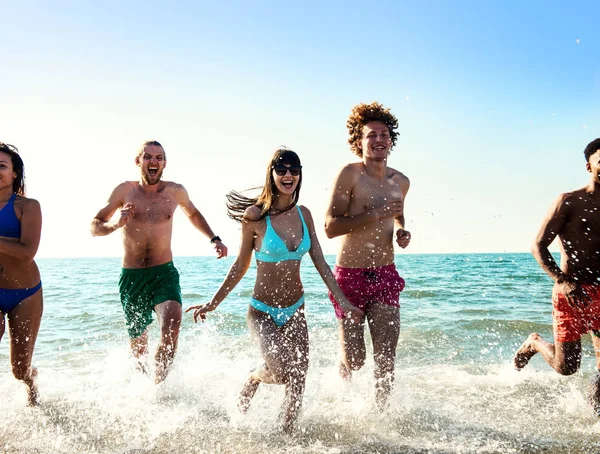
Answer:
x=101 y=224
x=316 y=254
x=338 y=222
x=198 y=220
x=234 y=276
x=31 y=228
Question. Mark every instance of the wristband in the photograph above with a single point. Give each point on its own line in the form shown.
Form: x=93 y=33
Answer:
x=214 y=239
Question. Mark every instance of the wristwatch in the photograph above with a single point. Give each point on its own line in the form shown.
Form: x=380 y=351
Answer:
x=214 y=239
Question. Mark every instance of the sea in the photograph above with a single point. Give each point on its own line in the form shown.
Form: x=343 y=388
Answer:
x=462 y=318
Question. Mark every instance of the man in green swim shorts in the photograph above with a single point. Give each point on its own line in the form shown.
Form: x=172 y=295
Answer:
x=149 y=281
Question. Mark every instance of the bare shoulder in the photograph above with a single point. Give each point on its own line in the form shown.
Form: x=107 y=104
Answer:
x=305 y=211
x=28 y=204
x=396 y=174
x=572 y=200
x=252 y=214
x=171 y=186
x=125 y=187
x=350 y=173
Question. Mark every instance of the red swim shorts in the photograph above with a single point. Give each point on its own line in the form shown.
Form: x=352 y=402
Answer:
x=365 y=285
x=571 y=323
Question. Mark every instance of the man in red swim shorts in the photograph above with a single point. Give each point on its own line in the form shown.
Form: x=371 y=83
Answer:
x=367 y=209
x=574 y=218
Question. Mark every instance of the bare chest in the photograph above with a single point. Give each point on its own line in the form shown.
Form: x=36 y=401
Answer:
x=369 y=193
x=153 y=208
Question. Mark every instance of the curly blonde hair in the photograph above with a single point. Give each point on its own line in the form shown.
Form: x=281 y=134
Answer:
x=365 y=113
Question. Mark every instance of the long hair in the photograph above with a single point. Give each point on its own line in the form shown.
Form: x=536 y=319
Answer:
x=237 y=203
x=18 y=167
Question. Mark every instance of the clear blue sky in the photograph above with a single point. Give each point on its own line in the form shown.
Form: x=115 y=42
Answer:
x=495 y=100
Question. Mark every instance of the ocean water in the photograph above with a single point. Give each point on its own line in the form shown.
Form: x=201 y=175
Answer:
x=463 y=316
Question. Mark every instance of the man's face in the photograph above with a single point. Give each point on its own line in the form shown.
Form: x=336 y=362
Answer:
x=376 y=141
x=152 y=163
x=593 y=166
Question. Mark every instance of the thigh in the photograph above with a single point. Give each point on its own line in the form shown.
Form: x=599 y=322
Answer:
x=23 y=324
x=352 y=336
x=384 y=326
x=168 y=312
x=277 y=344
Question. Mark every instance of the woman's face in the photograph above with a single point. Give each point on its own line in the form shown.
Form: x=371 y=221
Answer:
x=286 y=178
x=7 y=173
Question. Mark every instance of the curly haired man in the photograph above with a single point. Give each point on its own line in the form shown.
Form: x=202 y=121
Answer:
x=367 y=210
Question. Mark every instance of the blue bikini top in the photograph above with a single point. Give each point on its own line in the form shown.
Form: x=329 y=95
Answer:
x=273 y=249
x=10 y=226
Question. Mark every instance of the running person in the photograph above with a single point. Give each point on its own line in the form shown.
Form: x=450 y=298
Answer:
x=21 y=299
x=149 y=281
x=280 y=233
x=574 y=217
x=366 y=209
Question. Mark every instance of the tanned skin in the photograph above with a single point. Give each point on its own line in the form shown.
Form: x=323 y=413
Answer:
x=146 y=223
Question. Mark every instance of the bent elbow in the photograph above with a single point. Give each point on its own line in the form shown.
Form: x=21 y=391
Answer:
x=330 y=229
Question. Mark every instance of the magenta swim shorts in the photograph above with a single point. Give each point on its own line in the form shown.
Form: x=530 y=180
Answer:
x=365 y=285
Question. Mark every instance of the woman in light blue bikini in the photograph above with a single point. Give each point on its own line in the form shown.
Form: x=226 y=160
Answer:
x=280 y=232
x=20 y=284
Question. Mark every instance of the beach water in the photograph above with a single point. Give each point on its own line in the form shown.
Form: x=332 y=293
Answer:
x=463 y=316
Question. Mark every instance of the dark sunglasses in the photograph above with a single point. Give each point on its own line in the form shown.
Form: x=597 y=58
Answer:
x=282 y=170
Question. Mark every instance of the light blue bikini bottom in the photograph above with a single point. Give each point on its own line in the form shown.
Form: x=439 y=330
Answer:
x=280 y=315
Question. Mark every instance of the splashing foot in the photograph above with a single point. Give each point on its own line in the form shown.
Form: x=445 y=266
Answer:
x=246 y=394
x=526 y=352
x=33 y=395
x=344 y=372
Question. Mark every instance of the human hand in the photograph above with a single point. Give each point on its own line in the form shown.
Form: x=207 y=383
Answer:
x=127 y=212
x=390 y=209
x=200 y=310
x=403 y=238
x=574 y=293
x=220 y=249
x=353 y=313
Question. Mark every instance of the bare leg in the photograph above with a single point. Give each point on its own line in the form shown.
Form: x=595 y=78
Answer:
x=169 y=318
x=24 y=324
x=594 y=389
x=384 y=325
x=285 y=353
x=353 y=352
x=2 y=324
x=563 y=357
x=139 y=350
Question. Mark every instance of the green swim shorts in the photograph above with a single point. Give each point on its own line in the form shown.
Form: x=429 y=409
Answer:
x=143 y=288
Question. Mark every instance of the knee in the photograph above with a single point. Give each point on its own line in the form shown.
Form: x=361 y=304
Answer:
x=20 y=371
x=385 y=362
x=567 y=369
x=355 y=362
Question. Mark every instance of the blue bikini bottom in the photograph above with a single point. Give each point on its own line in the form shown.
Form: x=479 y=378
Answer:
x=280 y=315
x=11 y=297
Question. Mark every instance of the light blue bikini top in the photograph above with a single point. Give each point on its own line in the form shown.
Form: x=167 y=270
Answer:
x=273 y=249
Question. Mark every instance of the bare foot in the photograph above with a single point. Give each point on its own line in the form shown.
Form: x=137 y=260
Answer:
x=33 y=395
x=526 y=352
x=345 y=372
x=247 y=393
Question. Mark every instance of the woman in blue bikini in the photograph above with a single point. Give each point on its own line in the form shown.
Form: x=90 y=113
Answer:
x=20 y=285
x=280 y=232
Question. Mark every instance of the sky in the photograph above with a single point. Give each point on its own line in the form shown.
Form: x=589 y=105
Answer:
x=495 y=100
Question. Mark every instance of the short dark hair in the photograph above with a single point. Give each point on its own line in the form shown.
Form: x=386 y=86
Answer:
x=591 y=148
x=18 y=167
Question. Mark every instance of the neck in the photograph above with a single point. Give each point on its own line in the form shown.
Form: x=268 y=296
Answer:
x=375 y=167
x=594 y=186
x=6 y=193
x=149 y=187
x=282 y=201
